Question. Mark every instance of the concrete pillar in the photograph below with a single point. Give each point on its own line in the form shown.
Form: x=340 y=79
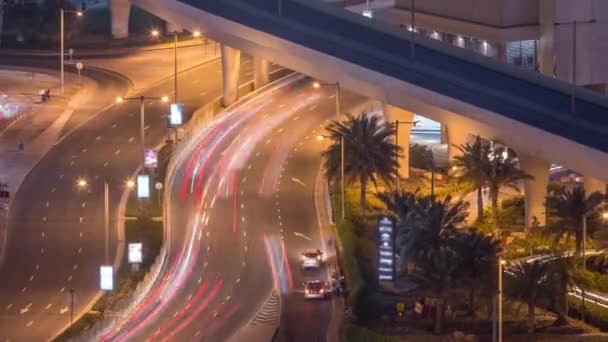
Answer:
x=119 y=14
x=535 y=190
x=393 y=114
x=231 y=65
x=593 y=184
x=546 y=50
x=172 y=27
x=261 y=74
x=456 y=136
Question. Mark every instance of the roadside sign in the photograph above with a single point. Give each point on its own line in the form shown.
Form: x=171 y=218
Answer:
x=106 y=278
x=176 y=115
x=143 y=186
x=158 y=186
x=79 y=66
x=400 y=307
x=135 y=253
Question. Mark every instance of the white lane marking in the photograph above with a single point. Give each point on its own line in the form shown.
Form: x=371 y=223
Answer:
x=84 y=150
x=53 y=190
x=313 y=107
x=105 y=164
x=296 y=117
x=84 y=204
x=31 y=277
x=42 y=234
x=196 y=81
x=42 y=250
x=26 y=309
x=238 y=280
x=43 y=220
x=9 y=306
x=48 y=306
x=131 y=139
x=203 y=93
x=281 y=129
x=297 y=181
x=98 y=138
x=79 y=250
x=24 y=289
x=29 y=324
x=37 y=267
x=117 y=152
x=147 y=127
x=267 y=141
x=114 y=125
x=70 y=278
x=80 y=219
x=75 y=267
x=47 y=204
x=302 y=236
x=62 y=289
x=64 y=310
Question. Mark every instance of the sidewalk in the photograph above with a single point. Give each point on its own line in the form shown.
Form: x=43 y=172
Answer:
x=328 y=229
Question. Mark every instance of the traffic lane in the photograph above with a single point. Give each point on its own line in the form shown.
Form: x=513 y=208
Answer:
x=306 y=320
x=90 y=278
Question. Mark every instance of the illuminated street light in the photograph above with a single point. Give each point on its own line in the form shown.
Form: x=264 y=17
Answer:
x=165 y=98
x=605 y=215
x=155 y=33
x=119 y=99
x=62 y=40
x=130 y=184
x=196 y=33
x=316 y=85
x=320 y=137
x=82 y=183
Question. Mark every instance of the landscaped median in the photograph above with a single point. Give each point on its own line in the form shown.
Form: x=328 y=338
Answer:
x=143 y=223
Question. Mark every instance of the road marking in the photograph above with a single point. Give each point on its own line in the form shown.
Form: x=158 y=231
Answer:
x=47 y=204
x=42 y=234
x=64 y=310
x=71 y=163
x=198 y=332
x=238 y=280
x=117 y=152
x=29 y=324
x=43 y=220
x=24 y=289
x=147 y=127
x=61 y=176
x=243 y=219
x=31 y=277
x=48 y=306
x=84 y=204
x=81 y=219
x=257 y=154
x=267 y=141
x=42 y=250
x=281 y=129
x=62 y=289
x=203 y=93
x=75 y=267
x=131 y=139
x=200 y=279
x=114 y=125
x=9 y=306
x=98 y=138
x=79 y=250
x=70 y=278
x=189 y=297
x=53 y=190
x=105 y=164
x=26 y=309
x=84 y=150
x=196 y=81
x=296 y=118
x=242 y=206
x=37 y=267
x=302 y=236
x=296 y=180
x=313 y=107
x=244 y=264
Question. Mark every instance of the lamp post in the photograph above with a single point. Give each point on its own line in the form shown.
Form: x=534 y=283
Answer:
x=397 y=123
x=142 y=115
x=337 y=87
x=72 y=290
x=413 y=31
x=501 y=264
x=62 y=43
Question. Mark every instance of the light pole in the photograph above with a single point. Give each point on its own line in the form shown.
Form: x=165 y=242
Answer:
x=397 y=123
x=61 y=45
x=501 y=264
x=72 y=290
x=337 y=87
x=142 y=115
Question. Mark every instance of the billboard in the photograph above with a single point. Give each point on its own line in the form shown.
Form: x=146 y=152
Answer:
x=176 y=115
x=135 y=253
x=386 y=249
x=143 y=186
x=151 y=158
x=106 y=278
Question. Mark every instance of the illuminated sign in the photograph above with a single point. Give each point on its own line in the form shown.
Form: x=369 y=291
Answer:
x=106 y=278
x=386 y=249
x=143 y=186
x=176 y=117
x=135 y=253
x=151 y=158
x=368 y=13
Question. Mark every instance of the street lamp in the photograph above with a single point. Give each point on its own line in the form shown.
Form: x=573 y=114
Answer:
x=142 y=115
x=414 y=124
x=62 y=43
x=82 y=184
x=318 y=85
x=501 y=265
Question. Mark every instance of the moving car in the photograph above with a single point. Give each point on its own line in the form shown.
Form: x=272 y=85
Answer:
x=312 y=258
x=316 y=289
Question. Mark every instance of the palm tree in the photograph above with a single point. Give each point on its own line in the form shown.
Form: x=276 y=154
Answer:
x=526 y=281
x=369 y=151
x=567 y=207
x=562 y=272
x=437 y=272
x=468 y=168
x=477 y=254
x=432 y=223
x=502 y=171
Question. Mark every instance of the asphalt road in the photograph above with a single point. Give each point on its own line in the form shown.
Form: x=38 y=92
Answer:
x=56 y=232
x=234 y=212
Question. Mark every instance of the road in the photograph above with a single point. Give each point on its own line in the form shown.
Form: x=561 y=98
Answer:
x=56 y=232
x=235 y=209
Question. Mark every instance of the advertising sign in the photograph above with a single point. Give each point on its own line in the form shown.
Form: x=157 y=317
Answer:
x=386 y=249
x=143 y=186
x=151 y=158
x=176 y=117
x=135 y=253
x=106 y=278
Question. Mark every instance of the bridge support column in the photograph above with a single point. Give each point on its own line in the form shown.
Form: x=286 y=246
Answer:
x=261 y=75
x=231 y=65
x=456 y=136
x=535 y=190
x=119 y=15
x=593 y=184
x=394 y=114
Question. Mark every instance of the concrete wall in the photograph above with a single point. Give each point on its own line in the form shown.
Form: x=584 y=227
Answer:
x=503 y=13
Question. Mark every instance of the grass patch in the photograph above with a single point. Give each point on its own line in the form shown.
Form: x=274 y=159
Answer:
x=350 y=332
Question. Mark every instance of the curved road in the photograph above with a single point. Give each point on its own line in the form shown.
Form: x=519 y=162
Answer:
x=56 y=232
x=240 y=193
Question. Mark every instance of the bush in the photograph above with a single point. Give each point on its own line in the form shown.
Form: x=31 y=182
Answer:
x=594 y=314
x=421 y=157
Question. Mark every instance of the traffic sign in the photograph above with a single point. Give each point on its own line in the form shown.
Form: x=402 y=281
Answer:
x=79 y=66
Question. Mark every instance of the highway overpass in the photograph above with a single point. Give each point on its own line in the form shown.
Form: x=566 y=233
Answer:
x=469 y=93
